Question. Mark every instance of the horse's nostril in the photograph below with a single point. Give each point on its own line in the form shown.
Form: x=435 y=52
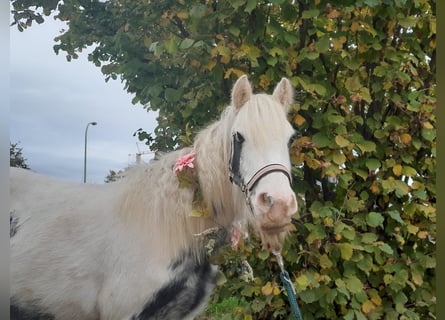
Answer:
x=266 y=200
x=270 y=201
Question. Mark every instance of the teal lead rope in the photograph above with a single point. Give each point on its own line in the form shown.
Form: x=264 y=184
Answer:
x=287 y=283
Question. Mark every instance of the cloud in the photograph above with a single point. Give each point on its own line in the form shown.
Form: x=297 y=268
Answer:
x=52 y=101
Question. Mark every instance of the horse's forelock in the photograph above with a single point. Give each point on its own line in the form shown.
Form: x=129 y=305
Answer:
x=263 y=121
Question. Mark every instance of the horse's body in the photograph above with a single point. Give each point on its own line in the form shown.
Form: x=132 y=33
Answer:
x=129 y=250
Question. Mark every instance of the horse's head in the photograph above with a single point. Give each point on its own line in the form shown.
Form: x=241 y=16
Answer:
x=260 y=163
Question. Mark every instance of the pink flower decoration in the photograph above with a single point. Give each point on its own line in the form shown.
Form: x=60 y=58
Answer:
x=235 y=237
x=185 y=162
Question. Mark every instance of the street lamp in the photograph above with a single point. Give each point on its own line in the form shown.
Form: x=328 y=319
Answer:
x=85 y=153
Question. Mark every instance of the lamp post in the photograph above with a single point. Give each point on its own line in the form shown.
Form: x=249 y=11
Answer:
x=85 y=153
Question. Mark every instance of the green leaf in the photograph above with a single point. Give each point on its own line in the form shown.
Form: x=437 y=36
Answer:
x=251 y=4
x=346 y=250
x=371 y=3
x=234 y=30
x=395 y=215
x=428 y=134
x=258 y=305
x=375 y=219
x=353 y=204
x=420 y=194
x=335 y=118
x=186 y=43
x=366 y=146
x=172 y=95
x=310 y=13
x=263 y=254
x=342 y=142
x=323 y=44
x=401 y=188
x=386 y=248
x=198 y=11
x=369 y=238
x=408 y=22
x=321 y=140
x=353 y=284
x=365 y=264
x=372 y=164
x=353 y=84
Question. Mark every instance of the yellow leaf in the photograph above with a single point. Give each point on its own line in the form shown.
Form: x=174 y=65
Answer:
x=433 y=25
x=299 y=158
x=337 y=43
x=330 y=25
x=387 y=279
x=387 y=85
x=417 y=278
x=183 y=15
x=355 y=26
x=325 y=262
x=276 y=290
x=225 y=59
x=194 y=63
x=338 y=157
x=397 y=169
x=405 y=138
x=302 y=281
x=267 y=289
x=210 y=65
x=334 y=14
x=376 y=300
x=299 y=120
x=428 y=125
x=341 y=141
x=422 y=234
x=433 y=43
x=264 y=81
x=303 y=141
x=328 y=222
x=248 y=317
x=390 y=27
x=374 y=187
x=412 y=229
x=229 y=71
x=368 y=306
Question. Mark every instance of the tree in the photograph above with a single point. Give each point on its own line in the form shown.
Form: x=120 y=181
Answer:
x=114 y=176
x=16 y=158
x=364 y=166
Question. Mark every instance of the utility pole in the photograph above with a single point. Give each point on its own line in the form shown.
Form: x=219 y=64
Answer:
x=85 y=153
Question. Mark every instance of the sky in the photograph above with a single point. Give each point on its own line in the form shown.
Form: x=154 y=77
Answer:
x=52 y=101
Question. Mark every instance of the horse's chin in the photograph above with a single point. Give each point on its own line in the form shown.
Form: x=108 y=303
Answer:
x=273 y=237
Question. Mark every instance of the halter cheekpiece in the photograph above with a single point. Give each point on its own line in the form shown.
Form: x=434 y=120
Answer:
x=234 y=168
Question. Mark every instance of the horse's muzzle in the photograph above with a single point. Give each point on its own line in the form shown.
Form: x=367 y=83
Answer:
x=274 y=214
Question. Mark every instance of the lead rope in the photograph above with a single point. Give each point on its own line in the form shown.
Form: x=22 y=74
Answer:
x=287 y=283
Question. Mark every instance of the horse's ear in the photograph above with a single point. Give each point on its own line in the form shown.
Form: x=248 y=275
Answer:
x=241 y=92
x=284 y=93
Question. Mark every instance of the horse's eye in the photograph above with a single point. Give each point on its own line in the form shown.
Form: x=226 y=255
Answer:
x=238 y=137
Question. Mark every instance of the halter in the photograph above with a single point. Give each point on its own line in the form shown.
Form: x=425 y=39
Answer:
x=234 y=169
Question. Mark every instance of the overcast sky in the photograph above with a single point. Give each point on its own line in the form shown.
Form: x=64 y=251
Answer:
x=53 y=100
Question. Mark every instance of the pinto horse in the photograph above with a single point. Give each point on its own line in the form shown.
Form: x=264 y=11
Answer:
x=129 y=250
